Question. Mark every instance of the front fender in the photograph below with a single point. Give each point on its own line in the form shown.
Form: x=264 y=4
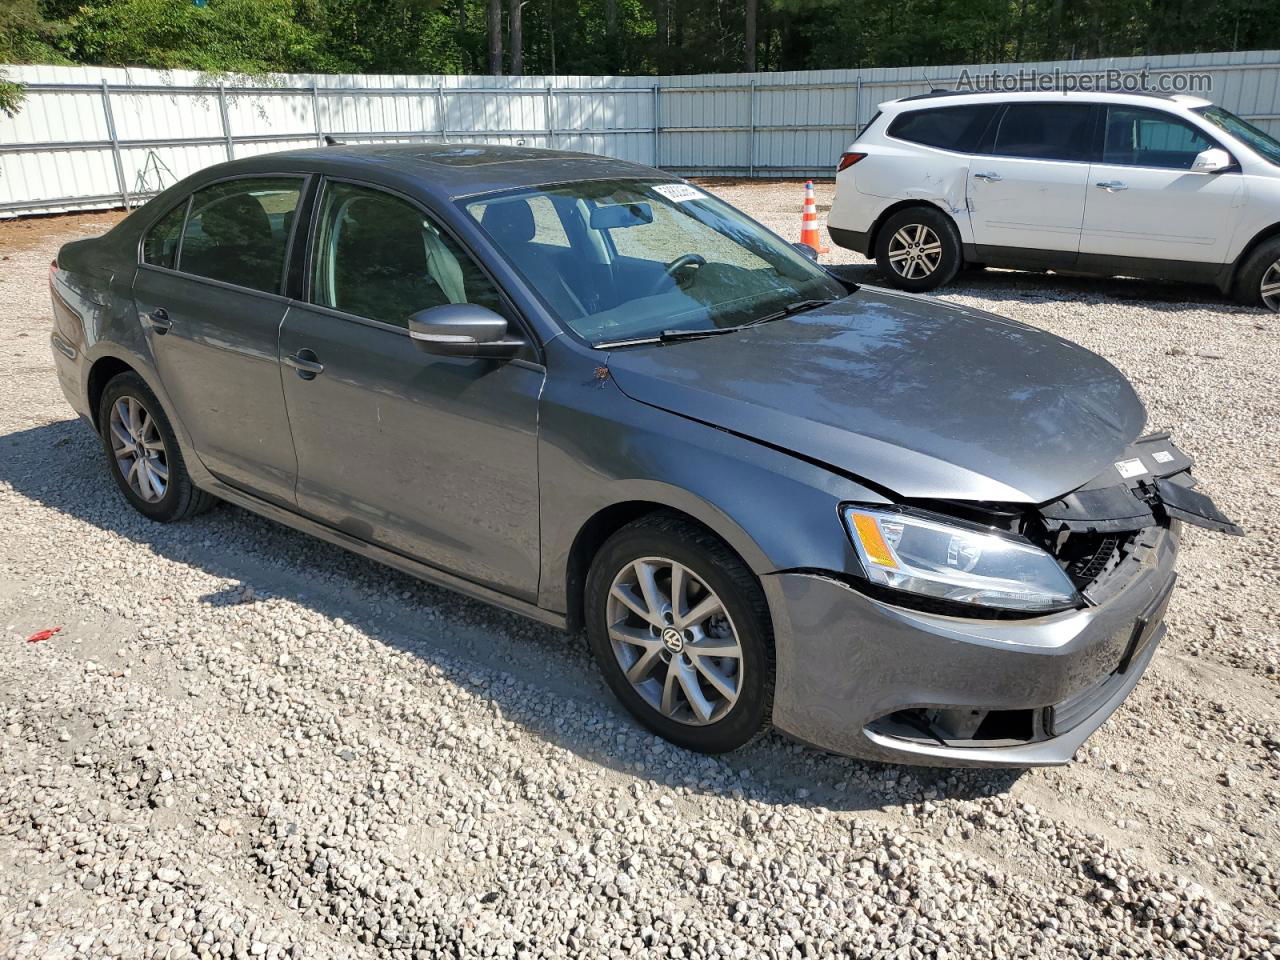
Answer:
x=599 y=448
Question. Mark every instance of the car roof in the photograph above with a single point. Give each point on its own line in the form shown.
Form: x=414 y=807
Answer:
x=447 y=170
x=958 y=97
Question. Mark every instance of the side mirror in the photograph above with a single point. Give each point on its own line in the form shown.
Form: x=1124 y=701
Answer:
x=807 y=250
x=463 y=330
x=1213 y=160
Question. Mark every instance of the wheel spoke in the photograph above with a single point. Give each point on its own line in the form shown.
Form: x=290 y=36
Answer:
x=668 y=705
x=677 y=592
x=629 y=600
x=713 y=647
x=158 y=468
x=688 y=678
x=707 y=606
x=120 y=435
x=644 y=664
x=724 y=685
x=653 y=598
x=153 y=479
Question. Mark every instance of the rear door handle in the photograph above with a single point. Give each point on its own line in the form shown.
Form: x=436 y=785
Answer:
x=989 y=177
x=306 y=363
x=1111 y=186
x=160 y=321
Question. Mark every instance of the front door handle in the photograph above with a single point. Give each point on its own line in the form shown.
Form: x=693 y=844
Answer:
x=160 y=321
x=306 y=363
x=989 y=177
x=1111 y=186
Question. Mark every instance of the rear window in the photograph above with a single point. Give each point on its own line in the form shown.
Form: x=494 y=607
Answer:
x=1046 y=131
x=958 y=128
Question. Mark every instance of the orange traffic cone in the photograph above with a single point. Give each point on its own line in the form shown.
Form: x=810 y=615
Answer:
x=809 y=221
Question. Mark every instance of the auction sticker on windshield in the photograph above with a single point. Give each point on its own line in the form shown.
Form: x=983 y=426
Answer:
x=679 y=192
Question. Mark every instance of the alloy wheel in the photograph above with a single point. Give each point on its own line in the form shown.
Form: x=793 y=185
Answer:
x=675 y=641
x=915 y=251
x=138 y=449
x=1270 y=288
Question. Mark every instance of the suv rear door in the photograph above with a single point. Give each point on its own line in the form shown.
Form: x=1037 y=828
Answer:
x=1144 y=201
x=1026 y=191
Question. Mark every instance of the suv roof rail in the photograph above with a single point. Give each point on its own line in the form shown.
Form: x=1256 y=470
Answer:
x=934 y=94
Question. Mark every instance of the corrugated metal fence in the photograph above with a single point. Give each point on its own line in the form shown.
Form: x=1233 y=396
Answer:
x=100 y=137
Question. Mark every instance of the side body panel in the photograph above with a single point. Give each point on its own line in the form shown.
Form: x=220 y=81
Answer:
x=434 y=457
x=219 y=362
x=1033 y=204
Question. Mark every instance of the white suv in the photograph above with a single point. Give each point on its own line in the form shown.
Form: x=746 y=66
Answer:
x=1108 y=183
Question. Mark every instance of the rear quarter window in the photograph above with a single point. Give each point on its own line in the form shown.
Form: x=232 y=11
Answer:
x=957 y=128
x=160 y=246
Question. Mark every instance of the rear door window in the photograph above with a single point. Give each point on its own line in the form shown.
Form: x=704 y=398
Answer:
x=160 y=246
x=1138 y=137
x=958 y=128
x=1045 y=131
x=238 y=231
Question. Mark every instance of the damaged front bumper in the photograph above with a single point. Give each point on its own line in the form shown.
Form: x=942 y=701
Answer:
x=865 y=677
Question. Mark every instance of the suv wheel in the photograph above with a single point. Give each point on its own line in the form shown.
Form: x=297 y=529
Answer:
x=1258 y=284
x=918 y=249
x=143 y=453
x=680 y=629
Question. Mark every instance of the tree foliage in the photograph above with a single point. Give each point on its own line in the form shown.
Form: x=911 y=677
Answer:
x=614 y=36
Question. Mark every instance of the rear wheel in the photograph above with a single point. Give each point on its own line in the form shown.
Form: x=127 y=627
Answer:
x=1258 y=283
x=680 y=629
x=918 y=249
x=143 y=453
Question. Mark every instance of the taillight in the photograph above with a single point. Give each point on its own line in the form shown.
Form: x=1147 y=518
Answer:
x=848 y=160
x=53 y=268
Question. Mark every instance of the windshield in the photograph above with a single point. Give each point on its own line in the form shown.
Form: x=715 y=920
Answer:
x=618 y=260
x=1267 y=146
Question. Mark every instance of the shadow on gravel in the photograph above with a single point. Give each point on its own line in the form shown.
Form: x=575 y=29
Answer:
x=60 y=466
x=1023 y=286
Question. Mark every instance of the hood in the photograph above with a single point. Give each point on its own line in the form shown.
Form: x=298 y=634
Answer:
x=926 y=399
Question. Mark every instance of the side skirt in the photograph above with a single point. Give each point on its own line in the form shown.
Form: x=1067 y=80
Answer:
x=1103 y=265
x=402 y=563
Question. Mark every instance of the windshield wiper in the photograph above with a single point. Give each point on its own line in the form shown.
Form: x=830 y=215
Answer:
x=675 y=336
x=791 y=309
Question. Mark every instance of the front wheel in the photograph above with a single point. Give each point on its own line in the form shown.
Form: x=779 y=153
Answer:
x=1258 y=284
x=918 y=249
x=680 y=629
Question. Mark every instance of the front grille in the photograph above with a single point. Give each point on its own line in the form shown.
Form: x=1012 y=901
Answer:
x=1089 y=557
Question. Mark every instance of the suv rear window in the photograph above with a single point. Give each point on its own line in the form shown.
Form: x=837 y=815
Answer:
x=958 y=128
x=1046 y=131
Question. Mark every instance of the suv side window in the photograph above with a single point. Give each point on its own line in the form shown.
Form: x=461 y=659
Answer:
x=379 y=257
x=956 y=128
x=160 y=245
x=238 y=231
x=1139 y=137
x=1045 y=131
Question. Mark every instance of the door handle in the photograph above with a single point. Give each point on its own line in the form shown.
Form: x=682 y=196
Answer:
x=160 y=321
x=306 y=363
x=989 y=177
x=1111 y=186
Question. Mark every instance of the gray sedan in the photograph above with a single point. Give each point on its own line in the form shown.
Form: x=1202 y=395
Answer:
x=589 y=392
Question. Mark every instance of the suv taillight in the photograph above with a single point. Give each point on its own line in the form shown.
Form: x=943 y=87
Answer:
x=848 y=160
x=53 y=268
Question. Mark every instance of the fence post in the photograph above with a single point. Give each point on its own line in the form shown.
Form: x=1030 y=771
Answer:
x=109 y=116
x=440 y=110
x=657 y=129
x=551 y=117
x=857 y=107
x=751 y=134
x=315 y=115
x=226 y=122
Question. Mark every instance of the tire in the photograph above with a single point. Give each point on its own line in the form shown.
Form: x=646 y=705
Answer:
x=710 y=572
x=1258 y=282
x=924 y=229
x=127 y=408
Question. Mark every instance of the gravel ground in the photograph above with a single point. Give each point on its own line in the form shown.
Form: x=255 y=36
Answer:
x=247 y=743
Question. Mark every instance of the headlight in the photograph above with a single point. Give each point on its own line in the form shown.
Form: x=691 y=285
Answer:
x=952 y=561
